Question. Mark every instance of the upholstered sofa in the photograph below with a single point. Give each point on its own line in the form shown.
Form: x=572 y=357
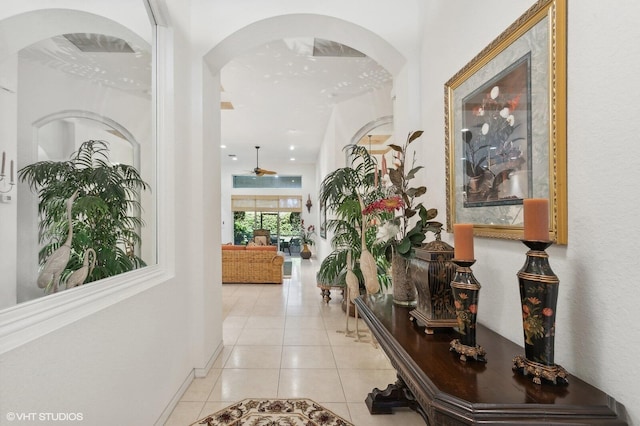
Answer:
x=251 y=264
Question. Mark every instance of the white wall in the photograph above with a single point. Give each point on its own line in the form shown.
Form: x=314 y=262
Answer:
x=126 y=360
x=597 y=332
x=8 y=212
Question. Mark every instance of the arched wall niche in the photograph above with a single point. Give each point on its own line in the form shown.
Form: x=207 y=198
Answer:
x=89 y=115
x=381 y=123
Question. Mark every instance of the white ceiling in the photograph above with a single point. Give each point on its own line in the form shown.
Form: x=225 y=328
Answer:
x=102 y=67
x=283 y=96
x=281 y=92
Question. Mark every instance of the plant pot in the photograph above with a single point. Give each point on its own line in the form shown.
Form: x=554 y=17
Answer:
x=404 y=291
x=305 y=253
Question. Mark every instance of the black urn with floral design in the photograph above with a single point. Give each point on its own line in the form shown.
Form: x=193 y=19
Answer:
x=466 y=290
x=539 y=295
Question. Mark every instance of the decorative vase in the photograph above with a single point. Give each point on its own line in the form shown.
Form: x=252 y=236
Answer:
x=404 y=291
x=432 y=272
x=305 y=253
x=466 y=289
x=539 y=295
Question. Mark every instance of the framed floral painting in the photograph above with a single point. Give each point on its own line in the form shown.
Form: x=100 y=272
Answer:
x=506 y=128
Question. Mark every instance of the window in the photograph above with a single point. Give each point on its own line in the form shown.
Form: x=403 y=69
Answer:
x=267 y=181
x=266 y=203
x=76 y=111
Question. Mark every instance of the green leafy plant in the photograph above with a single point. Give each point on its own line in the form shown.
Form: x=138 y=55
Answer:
x=105 y=215
x=339 y=191
x=400 y=233
x=307 y=235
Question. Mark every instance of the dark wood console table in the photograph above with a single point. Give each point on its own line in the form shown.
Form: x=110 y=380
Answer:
x=446 y=391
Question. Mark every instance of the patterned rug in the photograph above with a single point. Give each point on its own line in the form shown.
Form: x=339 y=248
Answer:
x=274 y=412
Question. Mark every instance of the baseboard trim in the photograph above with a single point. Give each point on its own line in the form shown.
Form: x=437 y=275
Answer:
x=174 y=401
x=195 y=372
x=202 y=372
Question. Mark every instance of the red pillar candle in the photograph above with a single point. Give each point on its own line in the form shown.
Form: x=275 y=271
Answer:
x=536 y=219
x=463 y=241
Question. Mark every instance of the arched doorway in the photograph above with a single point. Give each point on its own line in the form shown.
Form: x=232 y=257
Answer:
x=278 y=28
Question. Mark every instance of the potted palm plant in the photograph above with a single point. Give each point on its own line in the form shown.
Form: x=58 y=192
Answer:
x=341 y=191
x=91 y=206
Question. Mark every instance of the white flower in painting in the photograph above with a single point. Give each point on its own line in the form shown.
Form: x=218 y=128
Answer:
x=495 y=92
x=386 y=232
x=485 y=128
x=511 y=120
x=504 y=112
x=397 y=162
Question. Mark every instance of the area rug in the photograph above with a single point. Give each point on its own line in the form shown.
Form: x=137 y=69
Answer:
x=286 y=268
x=274 y=412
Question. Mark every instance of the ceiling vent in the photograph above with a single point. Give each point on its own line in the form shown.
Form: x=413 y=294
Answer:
x=330 y=48
x=98 y=43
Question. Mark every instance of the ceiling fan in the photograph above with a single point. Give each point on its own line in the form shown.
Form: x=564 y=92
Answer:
x=258 y=171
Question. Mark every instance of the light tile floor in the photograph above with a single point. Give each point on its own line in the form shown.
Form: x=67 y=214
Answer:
x=284 y=341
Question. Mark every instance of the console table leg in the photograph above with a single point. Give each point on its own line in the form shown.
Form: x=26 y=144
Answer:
x=395 y=395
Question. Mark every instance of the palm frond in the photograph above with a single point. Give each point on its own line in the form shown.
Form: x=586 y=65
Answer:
x=105 y=215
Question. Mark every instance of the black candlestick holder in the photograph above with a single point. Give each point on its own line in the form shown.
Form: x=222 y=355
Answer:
x=466 y=289
x=539 y=296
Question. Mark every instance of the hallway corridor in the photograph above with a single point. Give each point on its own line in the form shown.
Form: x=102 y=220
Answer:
x=283 y=341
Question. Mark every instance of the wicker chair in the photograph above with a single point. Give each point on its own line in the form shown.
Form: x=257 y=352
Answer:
x=256 y=264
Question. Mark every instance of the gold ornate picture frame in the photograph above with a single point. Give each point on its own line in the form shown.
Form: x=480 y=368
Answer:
x=505 y=132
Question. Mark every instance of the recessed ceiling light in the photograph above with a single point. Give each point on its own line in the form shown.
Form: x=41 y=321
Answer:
x=291 y=148
x=292 y=159
x=223 y=146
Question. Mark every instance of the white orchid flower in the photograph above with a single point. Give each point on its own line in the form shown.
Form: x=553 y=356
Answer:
x=386 y=232
x=495 y=92
x=485 y=128
x=511 y=120
x=504 y=112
